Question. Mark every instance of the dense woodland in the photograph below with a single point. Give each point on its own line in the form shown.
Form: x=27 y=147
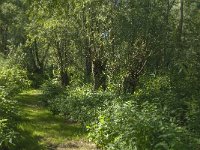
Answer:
x=127 y=71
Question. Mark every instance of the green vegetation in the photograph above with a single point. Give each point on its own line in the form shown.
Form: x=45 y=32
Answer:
x=39 y=127
x=122 y=74
x=149 y=118
x=13 y=80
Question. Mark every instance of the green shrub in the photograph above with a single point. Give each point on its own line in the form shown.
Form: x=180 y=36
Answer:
x=159 y=90
x=37 y=79
x=80 y=104
x=193 y=116
x=8 y=108
x=51 y=89
x=12 y=81
x=147 y=119
x=130 y=126
x=7 y=134
x=8 y=117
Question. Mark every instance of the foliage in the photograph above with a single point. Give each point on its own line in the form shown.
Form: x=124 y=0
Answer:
x=12 y=81
x=51 y=89
x=80 y=104
x=149 y=119
x=8 y=116
x=132 y=126
x=144 y=54
x=146 y=120
x=7 y=123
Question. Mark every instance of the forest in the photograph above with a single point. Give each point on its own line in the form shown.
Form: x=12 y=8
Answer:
x=99 y=74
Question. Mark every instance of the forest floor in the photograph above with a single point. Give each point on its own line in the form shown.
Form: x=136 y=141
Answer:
x=40 y=130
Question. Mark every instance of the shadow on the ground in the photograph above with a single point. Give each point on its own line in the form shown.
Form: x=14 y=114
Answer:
x=29 y=142
x=38 y=128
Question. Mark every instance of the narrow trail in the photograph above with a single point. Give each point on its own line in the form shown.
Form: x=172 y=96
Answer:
x=40 y=130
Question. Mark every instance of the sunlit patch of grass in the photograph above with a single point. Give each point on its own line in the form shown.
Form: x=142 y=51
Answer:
x=39 y=127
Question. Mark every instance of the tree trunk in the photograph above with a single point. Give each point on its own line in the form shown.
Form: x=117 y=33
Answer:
x=99 y=68
x=88 y=63
x=36 y=64
x=4 y=38
x=180 y=26
x=64 y=77
x=130 y=83
x=39 y=64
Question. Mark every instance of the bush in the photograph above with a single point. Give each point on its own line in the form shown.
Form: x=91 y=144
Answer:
x=51 y=89
x=8 y=116
x=160 y=91
x=12 y=80
x=130 y=126
x=37 y=79
x=80 y=104
x=148 y=119
x=7 y=134
x=193 y=116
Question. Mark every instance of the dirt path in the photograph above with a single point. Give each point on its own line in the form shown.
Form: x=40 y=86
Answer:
x=41 y=130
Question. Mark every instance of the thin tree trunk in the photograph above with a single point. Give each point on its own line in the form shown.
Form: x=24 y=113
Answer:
x=131 y=80
x=38 y=63
x=99 y=68
x=130 y=83
x=180 y=26
x=64 y=77
x=88 y=65
x=4 y=39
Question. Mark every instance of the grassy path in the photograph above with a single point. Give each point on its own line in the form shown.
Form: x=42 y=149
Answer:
x=43 y=131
